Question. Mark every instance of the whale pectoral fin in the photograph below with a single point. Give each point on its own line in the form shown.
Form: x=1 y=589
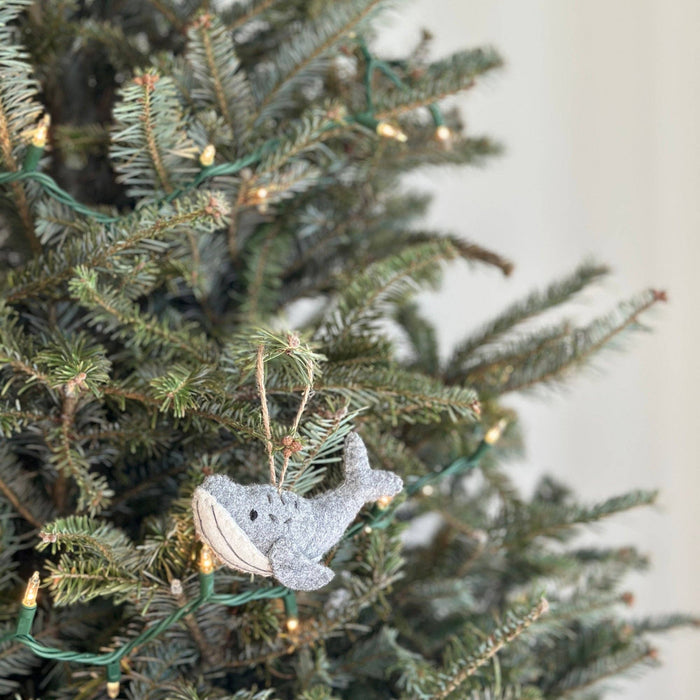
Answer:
x=292 y=569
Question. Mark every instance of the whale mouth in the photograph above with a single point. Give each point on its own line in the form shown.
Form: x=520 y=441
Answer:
x=222 y=533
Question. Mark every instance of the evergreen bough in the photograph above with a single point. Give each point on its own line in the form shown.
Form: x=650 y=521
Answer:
x=142 y=289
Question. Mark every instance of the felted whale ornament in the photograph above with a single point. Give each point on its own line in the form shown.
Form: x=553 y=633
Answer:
x=262 y=530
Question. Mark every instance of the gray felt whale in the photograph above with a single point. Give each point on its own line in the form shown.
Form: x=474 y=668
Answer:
x=261 y=530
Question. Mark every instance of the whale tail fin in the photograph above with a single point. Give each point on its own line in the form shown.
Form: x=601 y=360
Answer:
x=370 y=484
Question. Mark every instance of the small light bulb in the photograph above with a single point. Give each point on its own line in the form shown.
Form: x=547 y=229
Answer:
x=427 y=490
x=389 y=131
x=494 y=434
x=443 y=133
x=384 y=501
x=41 y=133
x=30 y=594
x=113 y=689
x=367 y=529
x=206 y=157
x=261 y=193
x=206 y=561
x=292 y=624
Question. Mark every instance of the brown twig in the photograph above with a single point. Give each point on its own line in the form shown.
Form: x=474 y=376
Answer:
x=210 y=655
x=17 y=504
x=260 y=378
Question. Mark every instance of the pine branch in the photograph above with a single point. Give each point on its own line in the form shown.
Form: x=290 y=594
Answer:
x=441 y=79
x=427 y=151
x=662 y=623
x=242 y=13
x=87 y=536
x=555 y=520
x=602 y=668
x=220 y=79
x=536 y=303
x=19 y=111
x=202 y=210
x=122 y=319
x=466 y=250
x=395 y=395
x=150 y=149
x=168 y=12
x=580 y=346
x=265 y=255
x=304 y=136
x=385 y=282
x=299 y=57
x=421 y=336
x=452 y=680
x=73 y=581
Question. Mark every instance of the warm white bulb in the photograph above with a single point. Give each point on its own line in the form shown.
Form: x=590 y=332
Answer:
x=30 y=594
x=389 y=131
x=41 y=133
x=443 y=133
x=384 y=501
x=206 y=157
x=113 y=689
x=292 y=624
x=494 y=434
x=206 y=561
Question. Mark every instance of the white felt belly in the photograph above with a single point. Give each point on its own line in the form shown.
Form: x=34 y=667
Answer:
x=219 y=530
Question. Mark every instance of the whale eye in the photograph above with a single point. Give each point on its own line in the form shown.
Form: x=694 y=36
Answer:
x=253 y=514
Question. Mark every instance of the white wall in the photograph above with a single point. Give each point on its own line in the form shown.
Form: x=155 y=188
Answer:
x=599 y=108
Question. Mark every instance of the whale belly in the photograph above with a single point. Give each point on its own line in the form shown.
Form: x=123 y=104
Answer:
x=227 y=540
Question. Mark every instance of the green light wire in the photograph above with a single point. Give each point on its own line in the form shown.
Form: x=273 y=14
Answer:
x=373 y=64
x=366 y=118
x=378 y=519
x=115 y=656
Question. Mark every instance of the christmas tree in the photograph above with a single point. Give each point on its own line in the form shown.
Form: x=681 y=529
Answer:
x=210 y=267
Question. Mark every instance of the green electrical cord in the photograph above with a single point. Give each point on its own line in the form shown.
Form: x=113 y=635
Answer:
x=378 y=519
x=28 y=171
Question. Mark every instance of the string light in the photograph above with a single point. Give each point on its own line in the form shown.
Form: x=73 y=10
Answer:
x=113 y=674
x=206 y=560
x=41 y=133
x=291 y=611
x=36 y=147
x=206 y=157
x=384 y=501
x=30 y=594
x=443 y=134
x=389 y=131
x=292 y=624
x=493 y=434
x=259 y=198
x=27 y=610
x=206 y=565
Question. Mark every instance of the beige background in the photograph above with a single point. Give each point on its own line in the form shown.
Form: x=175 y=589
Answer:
x=599 y=108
